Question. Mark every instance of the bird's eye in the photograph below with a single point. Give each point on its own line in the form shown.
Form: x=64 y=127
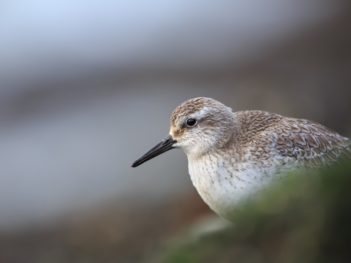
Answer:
x=191 y=122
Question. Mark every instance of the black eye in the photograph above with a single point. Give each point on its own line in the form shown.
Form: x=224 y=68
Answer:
x=191 y=122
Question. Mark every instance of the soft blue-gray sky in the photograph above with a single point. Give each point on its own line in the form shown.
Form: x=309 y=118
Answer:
x=53 y=39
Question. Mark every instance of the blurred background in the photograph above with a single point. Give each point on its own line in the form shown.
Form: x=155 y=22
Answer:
x=86 y=87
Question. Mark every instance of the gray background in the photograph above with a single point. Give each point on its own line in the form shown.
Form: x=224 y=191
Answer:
x=86 y=87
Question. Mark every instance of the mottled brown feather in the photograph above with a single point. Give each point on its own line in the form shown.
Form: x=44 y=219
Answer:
x=310 y=144
x=298 y=141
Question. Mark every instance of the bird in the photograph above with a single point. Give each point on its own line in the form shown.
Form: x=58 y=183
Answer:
x=234 y=154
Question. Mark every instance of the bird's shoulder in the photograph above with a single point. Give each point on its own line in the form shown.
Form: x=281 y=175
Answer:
x=253 y=122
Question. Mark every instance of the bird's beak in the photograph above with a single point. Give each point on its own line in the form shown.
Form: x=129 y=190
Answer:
x=163 y=146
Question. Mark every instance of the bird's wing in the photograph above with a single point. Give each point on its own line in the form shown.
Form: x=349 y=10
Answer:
x=308 y=143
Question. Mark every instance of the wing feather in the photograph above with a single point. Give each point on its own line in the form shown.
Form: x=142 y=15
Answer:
x=309 y=144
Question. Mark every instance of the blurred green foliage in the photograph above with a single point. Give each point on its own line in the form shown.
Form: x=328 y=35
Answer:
x=305 y=217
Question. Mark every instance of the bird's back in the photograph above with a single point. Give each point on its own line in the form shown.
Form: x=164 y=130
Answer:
x=293 y=141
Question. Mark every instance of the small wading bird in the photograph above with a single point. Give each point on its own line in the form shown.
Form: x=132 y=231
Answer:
x=232 y=155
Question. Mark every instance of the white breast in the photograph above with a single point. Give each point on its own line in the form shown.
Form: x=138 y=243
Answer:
x=222 y=184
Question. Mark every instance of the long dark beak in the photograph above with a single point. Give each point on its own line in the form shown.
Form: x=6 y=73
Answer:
x=164 y=146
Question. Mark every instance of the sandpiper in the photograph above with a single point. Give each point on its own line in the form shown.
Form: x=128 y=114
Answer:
x=232 y=155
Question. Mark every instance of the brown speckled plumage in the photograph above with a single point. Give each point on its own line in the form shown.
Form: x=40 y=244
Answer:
x=299 y=141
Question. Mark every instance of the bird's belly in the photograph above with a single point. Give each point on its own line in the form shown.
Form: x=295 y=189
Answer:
x=222 y=188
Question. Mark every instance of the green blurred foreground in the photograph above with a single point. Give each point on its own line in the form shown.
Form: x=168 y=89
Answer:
x=304 y=218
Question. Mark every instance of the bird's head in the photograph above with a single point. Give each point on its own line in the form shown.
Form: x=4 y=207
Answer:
x=198 y=126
